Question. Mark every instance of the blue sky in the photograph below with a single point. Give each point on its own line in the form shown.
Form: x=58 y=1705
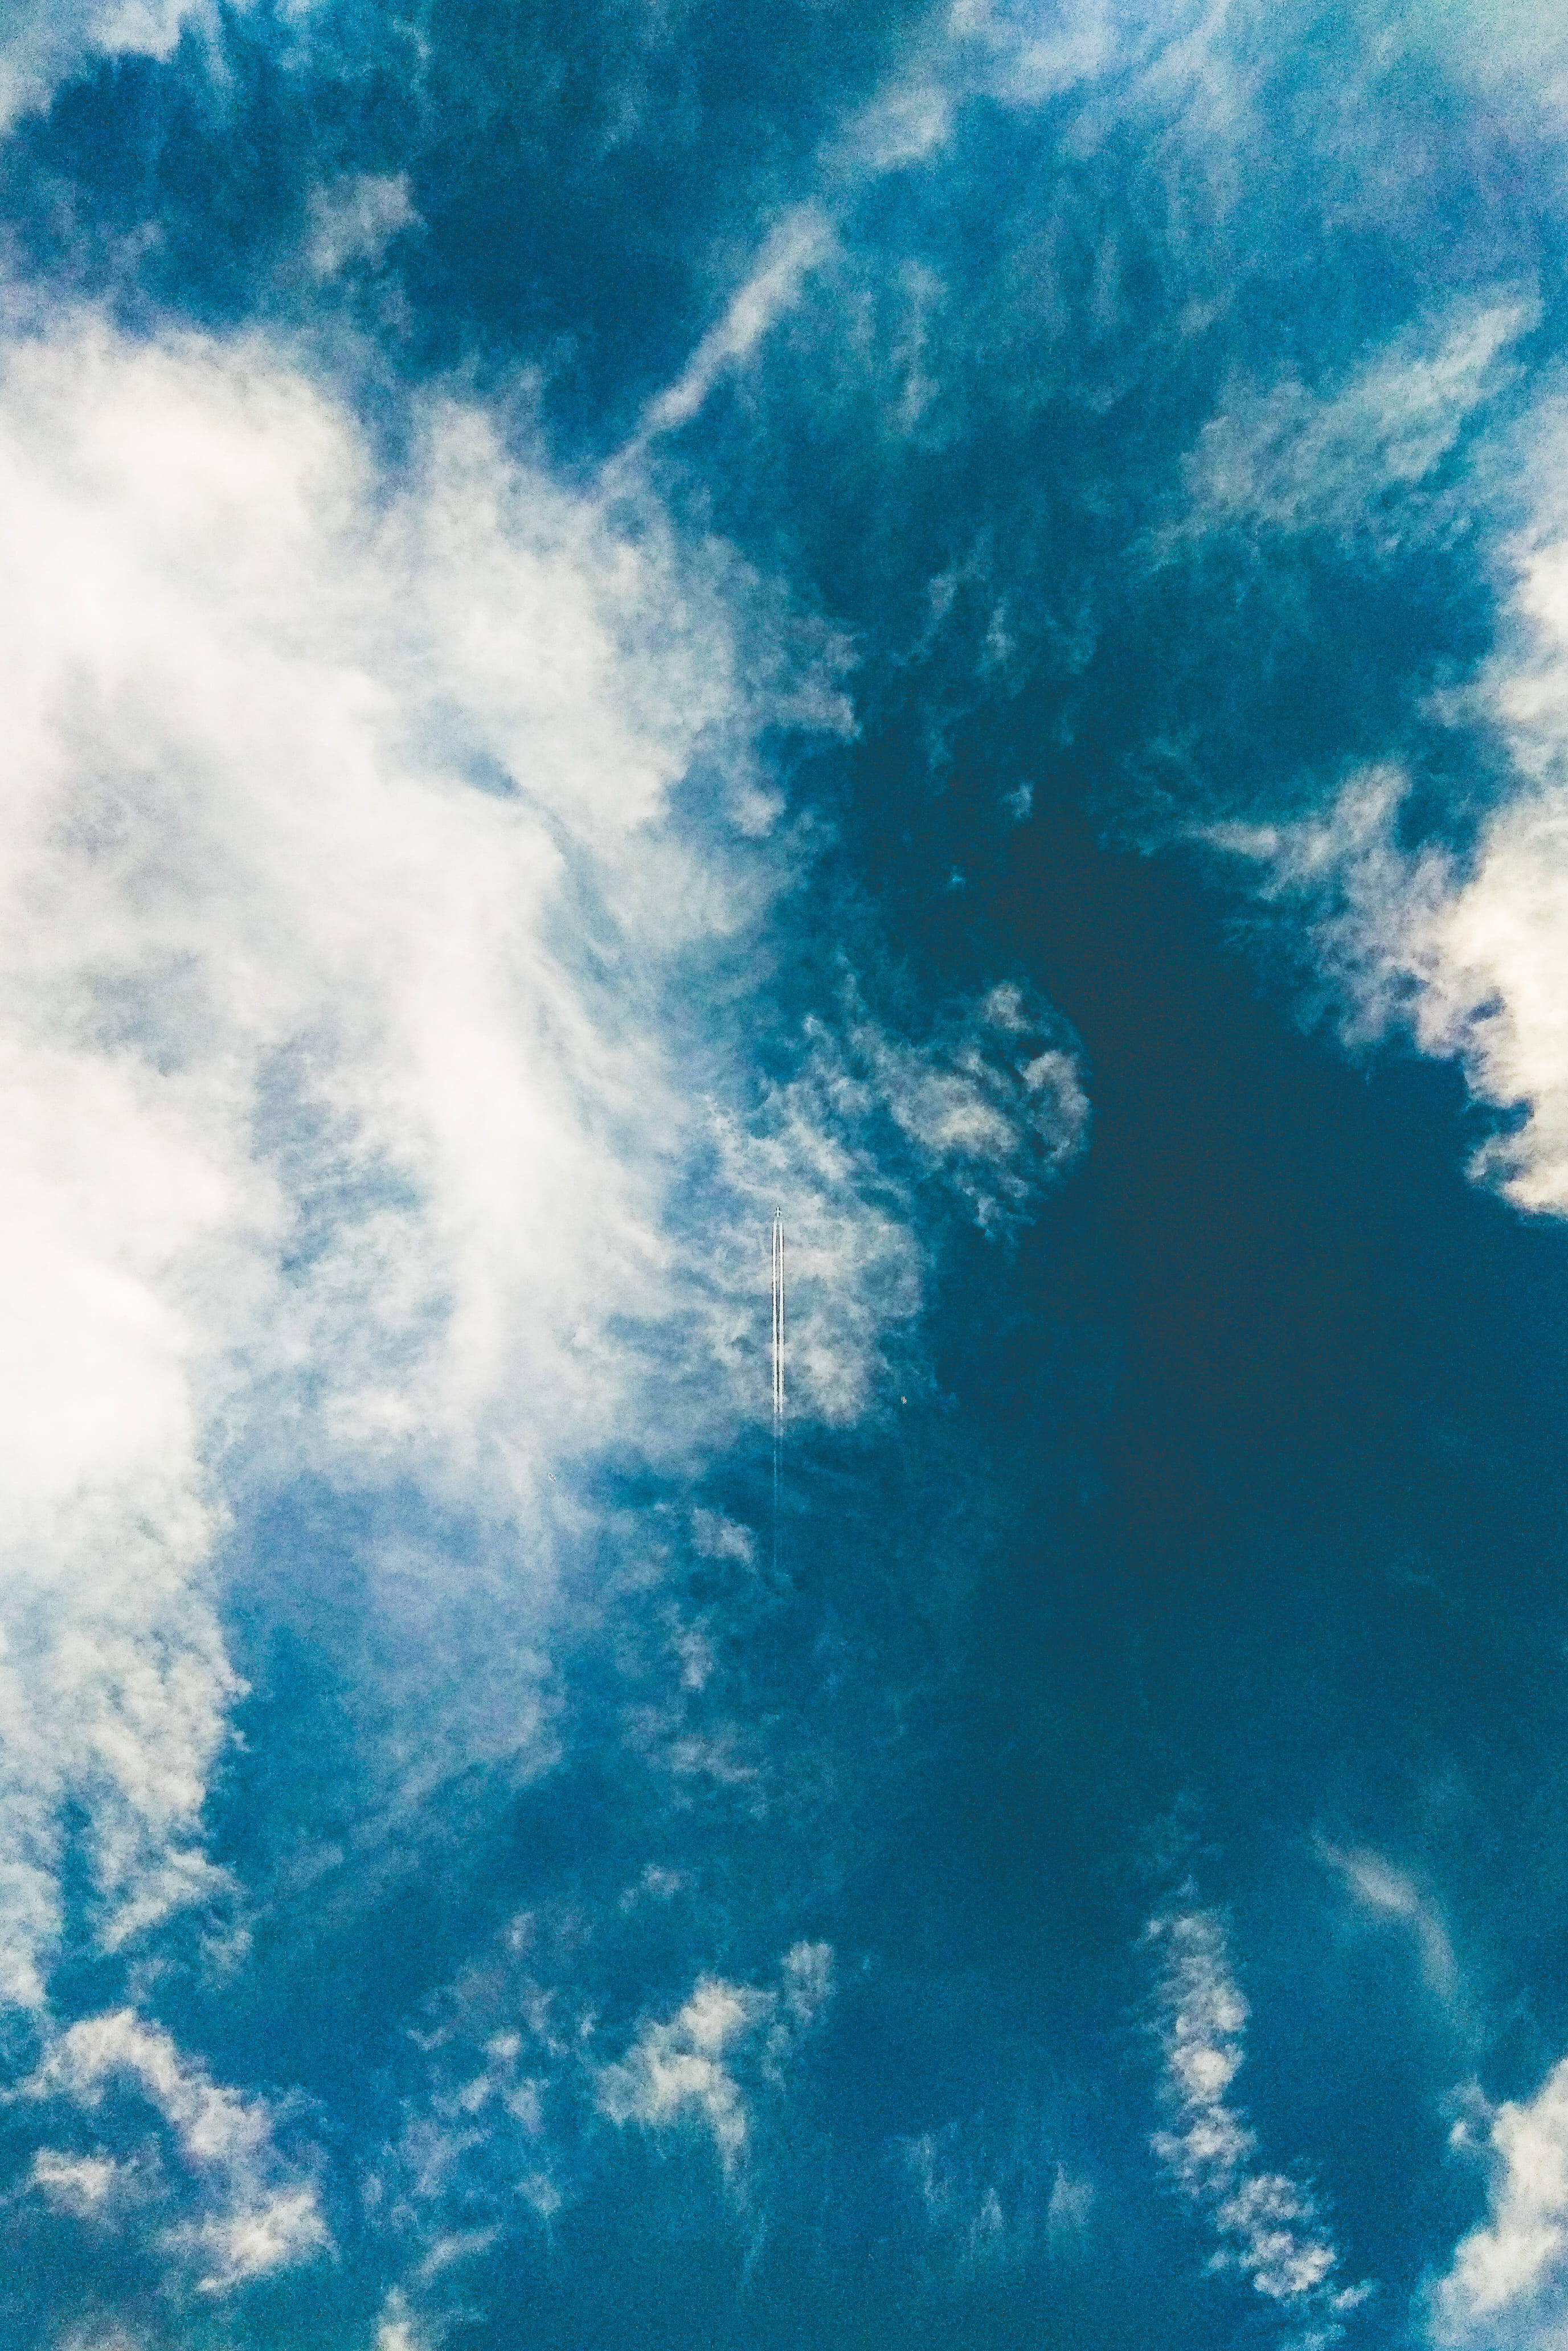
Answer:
x=949 y=622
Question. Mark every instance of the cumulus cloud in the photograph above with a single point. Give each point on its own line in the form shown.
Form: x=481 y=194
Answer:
x=1507 y=2287
x=1268 y=2226
x=255 y=2215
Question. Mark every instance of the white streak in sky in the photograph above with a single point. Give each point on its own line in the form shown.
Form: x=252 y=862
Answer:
x=802 y=239
x=778 y=1324
x=1268 y=2225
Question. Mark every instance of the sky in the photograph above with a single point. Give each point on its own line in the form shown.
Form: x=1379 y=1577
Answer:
x=948 y=621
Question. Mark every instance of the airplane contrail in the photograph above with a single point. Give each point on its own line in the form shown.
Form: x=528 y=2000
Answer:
x=778 y=1373
x=777 y=1322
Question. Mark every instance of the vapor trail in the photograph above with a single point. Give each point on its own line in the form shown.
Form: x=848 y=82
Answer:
x=777 y=1372
x=777 y=1323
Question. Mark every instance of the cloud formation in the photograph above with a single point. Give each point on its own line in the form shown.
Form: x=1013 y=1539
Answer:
x=1269 y=2225
x=44 y=41
x=1462 y=943
x=1288 y=459
x=690 y=2068
x=1390 y=1893
x=357 y=1123
x=327 y=1154
x=254 y=2213
x=1508 y=2285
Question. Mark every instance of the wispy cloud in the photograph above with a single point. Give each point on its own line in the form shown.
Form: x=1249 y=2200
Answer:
x=356 y=1125
x=1269 y=2227
x=1391 y=1893
x=44 y=41
x=1466 y=954
x=1463 y=947
x=355 y=217
x=302 y=1101
x=691 y=2067
x=1287 y=458
x=255 y=2215
x=996 y=2203
x=801 y=238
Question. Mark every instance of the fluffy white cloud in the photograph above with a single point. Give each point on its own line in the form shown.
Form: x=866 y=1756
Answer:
x=254 y=2215
x=341 y=1118
x=1468 y=950
x=1268 y=2225
x=357 y=1121
x=316 y=1140
x=1507 y=2287
x=1469 y=953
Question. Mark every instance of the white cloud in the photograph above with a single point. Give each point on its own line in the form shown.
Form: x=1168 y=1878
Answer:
x=342 y=1129
x=1467 y=951
x=1514 y=53
x=255 y=2217
x=301 y=1105
x=1072 y=2202
x=992 y=1107
x=676 y=2069
x=396 y=2331
x=44 y=41
x=1507 y=2287
x=702 y=2064
x=1268 y=2225
x=995 y=2206
x=356 y=217
x=104 y=2338
x=81 y=2185
x=1392 y=1893
x=796 y=243
x=1469 y=954
x=1294 y=460
x=1025 y=56
x=353 y=1126
x=996 y=1107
